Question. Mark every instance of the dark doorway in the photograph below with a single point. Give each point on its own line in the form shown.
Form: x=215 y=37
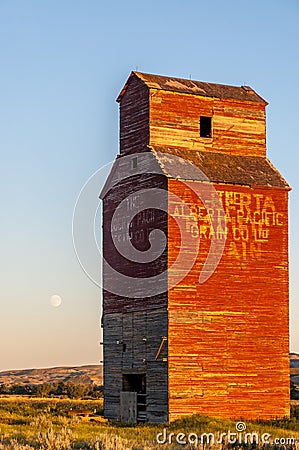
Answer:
x=137 y=383
x=134 y=383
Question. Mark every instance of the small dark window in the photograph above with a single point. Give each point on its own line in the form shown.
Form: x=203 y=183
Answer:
x=134 y=162
x=205 y=126
x=124 y=347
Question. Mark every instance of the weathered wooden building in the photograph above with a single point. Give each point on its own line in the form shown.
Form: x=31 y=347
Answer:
x=218 y=347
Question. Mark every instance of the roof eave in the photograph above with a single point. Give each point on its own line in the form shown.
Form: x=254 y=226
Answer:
x=124 y=89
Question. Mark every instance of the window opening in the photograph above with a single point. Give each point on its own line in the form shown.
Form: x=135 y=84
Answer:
x=205 y=126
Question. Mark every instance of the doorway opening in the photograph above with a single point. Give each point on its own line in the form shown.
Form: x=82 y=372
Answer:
x=137 y=383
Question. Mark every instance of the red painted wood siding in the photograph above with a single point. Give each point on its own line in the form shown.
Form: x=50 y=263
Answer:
x=238 y=127
x=228 y=339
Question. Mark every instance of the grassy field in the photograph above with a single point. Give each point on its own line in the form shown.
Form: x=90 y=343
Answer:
x=32 y=423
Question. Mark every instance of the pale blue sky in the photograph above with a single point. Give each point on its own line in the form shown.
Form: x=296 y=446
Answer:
x=62 y=64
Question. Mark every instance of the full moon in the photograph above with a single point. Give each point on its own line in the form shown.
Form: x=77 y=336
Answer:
x=55 y=300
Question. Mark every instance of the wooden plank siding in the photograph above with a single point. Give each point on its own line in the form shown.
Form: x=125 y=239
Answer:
x=237 y=128
x=134 y=327
x=134 y=114
x=228 y=338
x=141 y=333
x=128 y=187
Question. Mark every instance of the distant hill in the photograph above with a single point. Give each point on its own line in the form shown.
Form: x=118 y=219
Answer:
x=89 y=374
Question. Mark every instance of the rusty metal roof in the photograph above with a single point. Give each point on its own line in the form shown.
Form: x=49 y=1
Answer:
x=218 y=167
x=204 y=89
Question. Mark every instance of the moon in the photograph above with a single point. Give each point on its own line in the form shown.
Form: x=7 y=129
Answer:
x=55 y=300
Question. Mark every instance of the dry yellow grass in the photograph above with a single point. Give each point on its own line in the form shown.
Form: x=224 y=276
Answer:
x=44 y=424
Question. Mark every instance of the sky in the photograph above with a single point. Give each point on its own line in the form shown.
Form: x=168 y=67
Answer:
x=62 y=65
